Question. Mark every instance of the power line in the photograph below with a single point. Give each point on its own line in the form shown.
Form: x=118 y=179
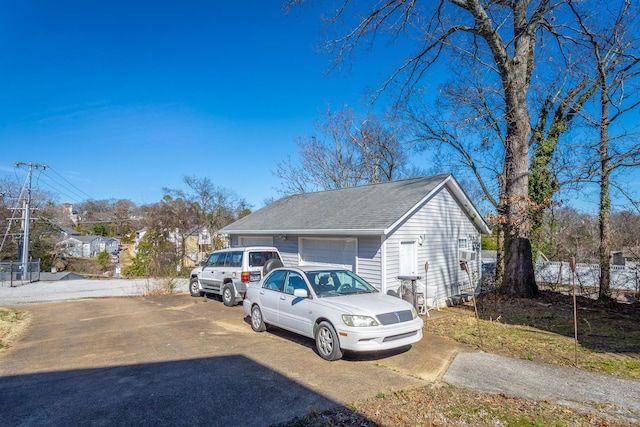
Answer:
x=66 y=180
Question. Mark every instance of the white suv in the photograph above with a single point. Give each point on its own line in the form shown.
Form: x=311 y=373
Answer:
x=228 y=271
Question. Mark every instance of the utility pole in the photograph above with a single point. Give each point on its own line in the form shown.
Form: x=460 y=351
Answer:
x=26 y=215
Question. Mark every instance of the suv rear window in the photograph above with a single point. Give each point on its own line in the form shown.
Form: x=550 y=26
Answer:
x=258 y=259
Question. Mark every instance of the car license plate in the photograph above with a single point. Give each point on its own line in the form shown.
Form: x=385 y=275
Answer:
x=254 y=276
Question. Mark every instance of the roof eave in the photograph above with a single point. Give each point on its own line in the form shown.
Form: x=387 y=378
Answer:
x=307 y=232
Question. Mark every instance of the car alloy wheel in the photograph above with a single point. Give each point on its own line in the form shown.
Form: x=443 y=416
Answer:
x=327 y=342
x=194 y=289
x=257 y=322
x=227 y=296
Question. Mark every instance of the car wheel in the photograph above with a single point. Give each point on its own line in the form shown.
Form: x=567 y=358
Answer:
x=227 y=296
x=270 y=265
x=327 y=342
x=194 y=290
x=257 y=322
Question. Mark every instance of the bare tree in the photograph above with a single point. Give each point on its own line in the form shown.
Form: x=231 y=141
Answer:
x=614 y=51
x=168 y=222
x=502 y=37
x=213 y=206
x=348 y=150
x=568 y=233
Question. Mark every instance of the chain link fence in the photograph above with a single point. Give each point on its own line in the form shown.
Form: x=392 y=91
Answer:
x=12 y=274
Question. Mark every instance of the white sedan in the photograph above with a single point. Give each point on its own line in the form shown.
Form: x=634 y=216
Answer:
x=336 y=307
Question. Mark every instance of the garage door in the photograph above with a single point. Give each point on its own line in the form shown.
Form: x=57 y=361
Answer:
x=341 y=252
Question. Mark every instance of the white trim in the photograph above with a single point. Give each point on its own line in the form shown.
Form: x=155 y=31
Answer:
x=312 y=232
x=383 y=260
x=266 y=240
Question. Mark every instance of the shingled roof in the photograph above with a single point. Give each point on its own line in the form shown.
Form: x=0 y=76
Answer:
x=368 y=209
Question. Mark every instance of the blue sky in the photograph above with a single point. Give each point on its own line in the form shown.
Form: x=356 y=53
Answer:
x=122 y=98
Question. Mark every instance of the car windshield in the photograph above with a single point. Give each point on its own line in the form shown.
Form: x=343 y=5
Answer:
x=337 y=282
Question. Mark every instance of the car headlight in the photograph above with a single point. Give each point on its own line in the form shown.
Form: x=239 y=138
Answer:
x=354 y=320
x=414 y=312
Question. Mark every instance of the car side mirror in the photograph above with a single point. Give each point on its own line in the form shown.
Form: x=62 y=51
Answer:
x=300 y=293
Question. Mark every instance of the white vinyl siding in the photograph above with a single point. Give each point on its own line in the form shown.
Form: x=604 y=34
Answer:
x=255 y=241
x=443 y=223
x=370 y=260
x=288 y=250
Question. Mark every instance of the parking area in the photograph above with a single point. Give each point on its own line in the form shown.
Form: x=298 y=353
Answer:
x=178 y=360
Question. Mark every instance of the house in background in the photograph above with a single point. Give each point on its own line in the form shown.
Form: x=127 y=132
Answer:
x=79 y=246
x=87 y=246
x=629 y=256
x=198 y=245
x=380 y=231
x=109 y=244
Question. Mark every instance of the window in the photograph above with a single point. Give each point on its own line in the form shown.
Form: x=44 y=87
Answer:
x=462 y=244
x=213 y=259
x=350 y=283
x=294 y=281
x=258 y=259
x=275 y=281
x=234 y=259
x=221 y=259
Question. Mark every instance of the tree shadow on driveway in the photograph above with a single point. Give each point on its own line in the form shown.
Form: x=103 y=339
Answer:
x=218 y=391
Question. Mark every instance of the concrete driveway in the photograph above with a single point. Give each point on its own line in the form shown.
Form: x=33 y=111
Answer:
x=178 y=360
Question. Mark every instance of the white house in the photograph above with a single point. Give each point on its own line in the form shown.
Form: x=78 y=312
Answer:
x=381 y=231
x=79 y=246
x=87 y=246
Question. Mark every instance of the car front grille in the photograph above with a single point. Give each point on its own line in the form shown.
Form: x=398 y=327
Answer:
x=399 y=337
x=395 y=317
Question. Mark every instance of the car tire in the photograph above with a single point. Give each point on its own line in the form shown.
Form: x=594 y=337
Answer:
x=327 y=342
x=270 y=265
x=194 y=289
x=257 y=321
x=227 y=296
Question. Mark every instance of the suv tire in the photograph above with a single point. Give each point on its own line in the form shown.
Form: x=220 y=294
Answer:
x=227 y=296
x=193 y=288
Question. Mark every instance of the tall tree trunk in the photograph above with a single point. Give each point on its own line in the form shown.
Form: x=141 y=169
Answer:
x=519 y=276
x=604 y=217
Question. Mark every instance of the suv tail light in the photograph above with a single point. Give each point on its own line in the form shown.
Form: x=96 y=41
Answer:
x=244 y=277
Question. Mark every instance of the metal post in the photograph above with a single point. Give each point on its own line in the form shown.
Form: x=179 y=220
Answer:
x=572 y=265
x=26 y=215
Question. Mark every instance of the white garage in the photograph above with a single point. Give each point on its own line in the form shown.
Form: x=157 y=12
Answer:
x=381 y=232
